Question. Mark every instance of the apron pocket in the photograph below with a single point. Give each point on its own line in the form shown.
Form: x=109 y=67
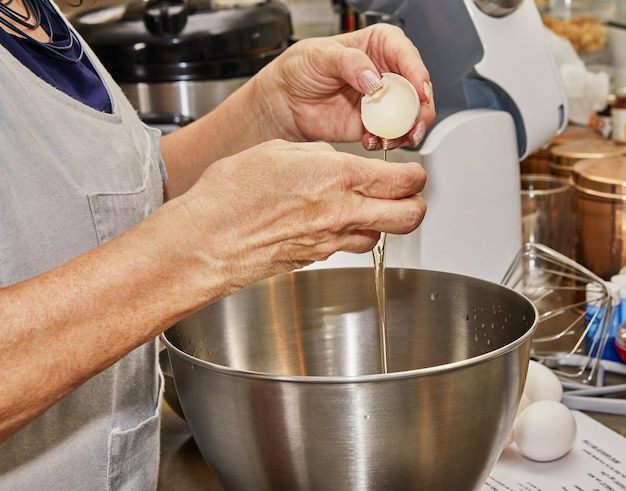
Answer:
x=134 y=455
x=113 y=213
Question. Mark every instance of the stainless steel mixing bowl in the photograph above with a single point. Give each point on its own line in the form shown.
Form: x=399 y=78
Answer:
x=280 y=383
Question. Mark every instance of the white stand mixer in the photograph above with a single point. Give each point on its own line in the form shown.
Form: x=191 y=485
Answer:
x=498 y=97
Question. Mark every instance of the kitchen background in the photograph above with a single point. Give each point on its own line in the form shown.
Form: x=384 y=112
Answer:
x=579 y=211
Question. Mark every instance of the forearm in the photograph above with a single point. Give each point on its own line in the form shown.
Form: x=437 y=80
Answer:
x=242 y=121
x=66 y=325
x=311 y=92
x=295 y=204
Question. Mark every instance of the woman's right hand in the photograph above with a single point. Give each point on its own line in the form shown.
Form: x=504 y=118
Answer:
x=280 y=206
x=267 y=210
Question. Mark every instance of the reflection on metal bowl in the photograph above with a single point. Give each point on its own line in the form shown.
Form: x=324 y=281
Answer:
x=169 y=389
x=282 y=389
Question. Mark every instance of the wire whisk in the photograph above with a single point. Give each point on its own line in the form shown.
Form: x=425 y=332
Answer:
x=575 y=310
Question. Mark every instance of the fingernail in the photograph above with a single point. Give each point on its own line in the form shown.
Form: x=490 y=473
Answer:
x=391 y=144
x=418 y=134
x=370 y=82
x=428 y=91
x=372 y=141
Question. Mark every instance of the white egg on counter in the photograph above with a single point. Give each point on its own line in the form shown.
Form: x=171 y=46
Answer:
x=391 y=111
x=542 y=384
x=545 y=431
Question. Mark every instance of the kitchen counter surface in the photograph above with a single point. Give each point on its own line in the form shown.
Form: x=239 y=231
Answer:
x=182 y=466
x=184 y=469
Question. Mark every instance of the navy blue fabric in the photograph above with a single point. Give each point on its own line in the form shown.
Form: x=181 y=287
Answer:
x=78 y=80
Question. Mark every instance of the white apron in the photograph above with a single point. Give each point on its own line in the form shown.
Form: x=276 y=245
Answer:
x=72 y=178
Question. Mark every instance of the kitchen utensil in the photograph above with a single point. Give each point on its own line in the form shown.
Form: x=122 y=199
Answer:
x=598 y=398
x=280 y=383
x=574 y=308
x=547 y=203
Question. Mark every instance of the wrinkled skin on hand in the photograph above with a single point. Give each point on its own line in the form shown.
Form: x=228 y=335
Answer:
x=315 y=91
x=325 y=201
x=279 y=205
x=246 y=199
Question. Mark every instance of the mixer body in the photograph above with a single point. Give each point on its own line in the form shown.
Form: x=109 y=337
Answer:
x=499 y=97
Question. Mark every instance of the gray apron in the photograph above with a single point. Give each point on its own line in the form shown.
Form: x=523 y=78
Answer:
x=72 y=178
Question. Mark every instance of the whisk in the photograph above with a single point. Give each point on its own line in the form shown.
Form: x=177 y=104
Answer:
x=575 y=310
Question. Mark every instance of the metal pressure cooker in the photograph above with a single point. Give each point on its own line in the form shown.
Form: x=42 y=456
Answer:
x=178 y=59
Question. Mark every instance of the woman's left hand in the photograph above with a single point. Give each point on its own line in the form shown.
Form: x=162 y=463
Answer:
x=313 y=90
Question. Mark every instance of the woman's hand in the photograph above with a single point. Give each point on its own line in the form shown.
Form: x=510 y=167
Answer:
x=313 y=90
x=281 y=206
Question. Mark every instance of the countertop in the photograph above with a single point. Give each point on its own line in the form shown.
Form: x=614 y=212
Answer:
x=182 y=466
x=184 y=469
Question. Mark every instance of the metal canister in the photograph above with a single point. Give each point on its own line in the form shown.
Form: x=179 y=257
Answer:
x=600 y=214
x=539 y=161
x=563 y=157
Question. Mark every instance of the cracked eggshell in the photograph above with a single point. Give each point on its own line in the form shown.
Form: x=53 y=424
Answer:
x=391 y=111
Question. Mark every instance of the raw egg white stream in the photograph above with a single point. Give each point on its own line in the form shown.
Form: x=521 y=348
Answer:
x=388 y=113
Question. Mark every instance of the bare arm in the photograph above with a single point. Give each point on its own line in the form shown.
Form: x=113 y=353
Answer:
x=310 y=93
x=268 y=210
x=68 y=324
x=239 y=211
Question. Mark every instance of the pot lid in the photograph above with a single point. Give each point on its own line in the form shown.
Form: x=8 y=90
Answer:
x=602 y=178
x=566 y=155
x=574 y=133
x=588 y=148
x=177 y=40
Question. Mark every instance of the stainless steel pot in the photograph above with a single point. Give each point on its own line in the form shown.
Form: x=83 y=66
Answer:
x=181 y=102
x=280 y=383
x=176 y=60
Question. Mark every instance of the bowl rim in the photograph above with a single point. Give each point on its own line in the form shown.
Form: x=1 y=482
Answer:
x=354 y=379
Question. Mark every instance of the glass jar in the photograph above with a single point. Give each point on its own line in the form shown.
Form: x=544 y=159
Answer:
x=618 y=116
